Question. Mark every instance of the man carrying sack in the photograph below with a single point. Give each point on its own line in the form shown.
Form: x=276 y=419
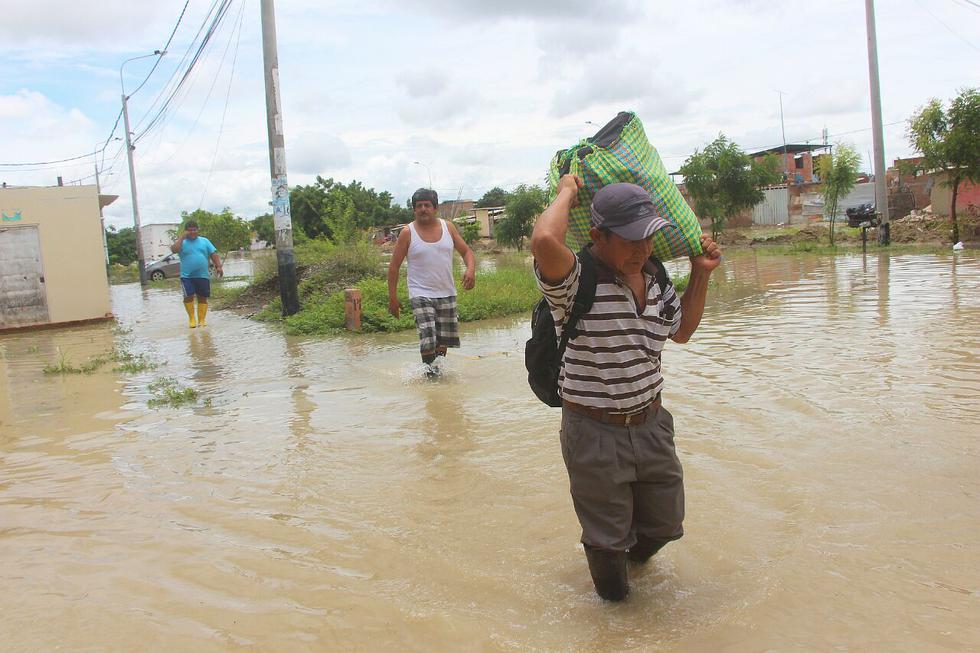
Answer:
x=617 y=439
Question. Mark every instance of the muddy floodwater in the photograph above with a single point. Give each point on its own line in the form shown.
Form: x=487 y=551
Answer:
x=321 y=496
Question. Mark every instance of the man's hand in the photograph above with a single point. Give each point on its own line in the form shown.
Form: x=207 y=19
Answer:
x=469 y=280
x=710 y=259
x=572 y=183
x=220 y=270
x=394 y=306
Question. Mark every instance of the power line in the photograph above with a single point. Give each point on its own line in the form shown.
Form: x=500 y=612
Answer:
x=231 y=78
x=166 y=88
x=207 y=98
x=118 y=117
x=212 y=28
x=975 y=5
x=948 y=28
x=163 y=49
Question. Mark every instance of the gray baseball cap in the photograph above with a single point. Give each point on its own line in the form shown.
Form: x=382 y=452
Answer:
x=626 y=209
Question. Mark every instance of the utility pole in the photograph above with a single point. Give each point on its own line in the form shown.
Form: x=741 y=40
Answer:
x=881 y=190
x=782 y=125
x=141 y=261
x=277 y=163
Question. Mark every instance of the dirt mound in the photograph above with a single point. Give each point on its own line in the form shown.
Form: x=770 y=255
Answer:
x=733 y=238
x=920 y=227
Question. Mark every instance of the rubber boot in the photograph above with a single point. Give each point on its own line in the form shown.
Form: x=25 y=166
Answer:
x=202 y=313
x=189 y=307
x=608 y=569
x=644 y=549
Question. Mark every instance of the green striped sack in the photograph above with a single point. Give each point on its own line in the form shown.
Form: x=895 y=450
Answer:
x=620 y=152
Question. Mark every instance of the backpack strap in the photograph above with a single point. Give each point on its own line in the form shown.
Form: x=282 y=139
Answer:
x=584 y=298
x=661 y=274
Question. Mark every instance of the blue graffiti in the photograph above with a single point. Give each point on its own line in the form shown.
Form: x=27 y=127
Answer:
x=11 y=218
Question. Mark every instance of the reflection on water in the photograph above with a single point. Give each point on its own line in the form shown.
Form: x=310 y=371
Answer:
x=327 y=500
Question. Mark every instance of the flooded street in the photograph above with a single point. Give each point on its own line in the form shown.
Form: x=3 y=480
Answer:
x=321 y=496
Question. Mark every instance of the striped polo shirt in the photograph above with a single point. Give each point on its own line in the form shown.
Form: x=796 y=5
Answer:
x=614 y=361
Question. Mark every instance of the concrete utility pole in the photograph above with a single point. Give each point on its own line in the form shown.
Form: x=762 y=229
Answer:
x=277 y=163
x=141 y=261
x=782 y=125
x=881 y=190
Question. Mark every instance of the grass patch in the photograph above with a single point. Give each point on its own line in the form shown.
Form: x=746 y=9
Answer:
x=123 y=273
x=127 y=362
x=848 y=248
x=64 y=366
x=168 y=392
x=508 y=290
x=131 y=363
x=222 y=294
x=505 y=291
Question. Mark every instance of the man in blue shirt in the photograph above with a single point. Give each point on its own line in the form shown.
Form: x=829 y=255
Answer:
x=195 y=251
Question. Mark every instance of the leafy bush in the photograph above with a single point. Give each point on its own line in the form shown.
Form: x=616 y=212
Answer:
x=506 y=291
x=470 y=231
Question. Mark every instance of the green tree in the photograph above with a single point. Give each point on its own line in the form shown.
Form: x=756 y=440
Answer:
x=121 y=244
x=470 y=231
x=838 y=173
x=523 y=206
x=340 y=215
x=949 y=142
x=723 y=181
x=319 y=206
x=264 y=228
x=496 y=196
x=224 y=230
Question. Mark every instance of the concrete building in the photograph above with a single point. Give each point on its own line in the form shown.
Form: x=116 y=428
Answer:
x=52 y=259
x=157 y=239
x=452 y=209
x=797 y=164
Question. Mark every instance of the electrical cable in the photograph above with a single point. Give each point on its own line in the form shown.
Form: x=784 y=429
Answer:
x=221 y=127
x=207 y=98
x=975 y=5
x=164 y=49
x=219 y=16
x=948 y=28
x=118 y=117
x=166 y=88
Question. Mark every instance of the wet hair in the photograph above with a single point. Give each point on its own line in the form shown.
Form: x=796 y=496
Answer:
x=191 y=223
x=425 y=194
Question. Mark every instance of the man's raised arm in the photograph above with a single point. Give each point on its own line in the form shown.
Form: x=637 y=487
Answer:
x=555 y=261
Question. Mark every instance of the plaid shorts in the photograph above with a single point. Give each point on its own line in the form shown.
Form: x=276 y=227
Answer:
x=437 y=323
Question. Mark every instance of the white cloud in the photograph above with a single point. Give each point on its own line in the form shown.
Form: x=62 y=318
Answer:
x=483 y=93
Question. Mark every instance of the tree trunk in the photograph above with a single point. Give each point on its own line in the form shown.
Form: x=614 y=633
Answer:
x=833 y=218
x=952 y=211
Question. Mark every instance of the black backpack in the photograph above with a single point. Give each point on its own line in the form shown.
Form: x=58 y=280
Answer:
x=544 y=352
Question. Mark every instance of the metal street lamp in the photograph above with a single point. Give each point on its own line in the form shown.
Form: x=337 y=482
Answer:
x=419 y=163
x=129 y=155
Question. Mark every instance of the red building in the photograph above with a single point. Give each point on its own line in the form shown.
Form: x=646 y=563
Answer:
x=797 y=161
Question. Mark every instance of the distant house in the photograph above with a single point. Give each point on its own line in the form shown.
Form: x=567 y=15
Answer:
x=797 y=161
x=486 y=216
x=157 y=239
x=52 y=256
x=452 y=209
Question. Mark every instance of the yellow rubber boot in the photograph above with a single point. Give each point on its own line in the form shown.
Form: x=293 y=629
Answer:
x=189 y=307
x=202 y=311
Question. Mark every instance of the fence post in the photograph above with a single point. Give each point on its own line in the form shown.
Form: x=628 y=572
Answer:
x=352 y=309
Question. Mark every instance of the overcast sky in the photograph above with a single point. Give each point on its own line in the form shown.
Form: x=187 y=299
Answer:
x=480 y=92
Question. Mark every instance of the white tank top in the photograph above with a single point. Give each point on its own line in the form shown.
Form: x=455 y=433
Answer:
x=430 y=265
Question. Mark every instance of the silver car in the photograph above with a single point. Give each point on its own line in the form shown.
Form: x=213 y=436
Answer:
x=166 y=268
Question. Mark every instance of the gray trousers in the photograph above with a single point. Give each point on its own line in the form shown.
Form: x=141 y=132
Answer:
x=626 y=481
